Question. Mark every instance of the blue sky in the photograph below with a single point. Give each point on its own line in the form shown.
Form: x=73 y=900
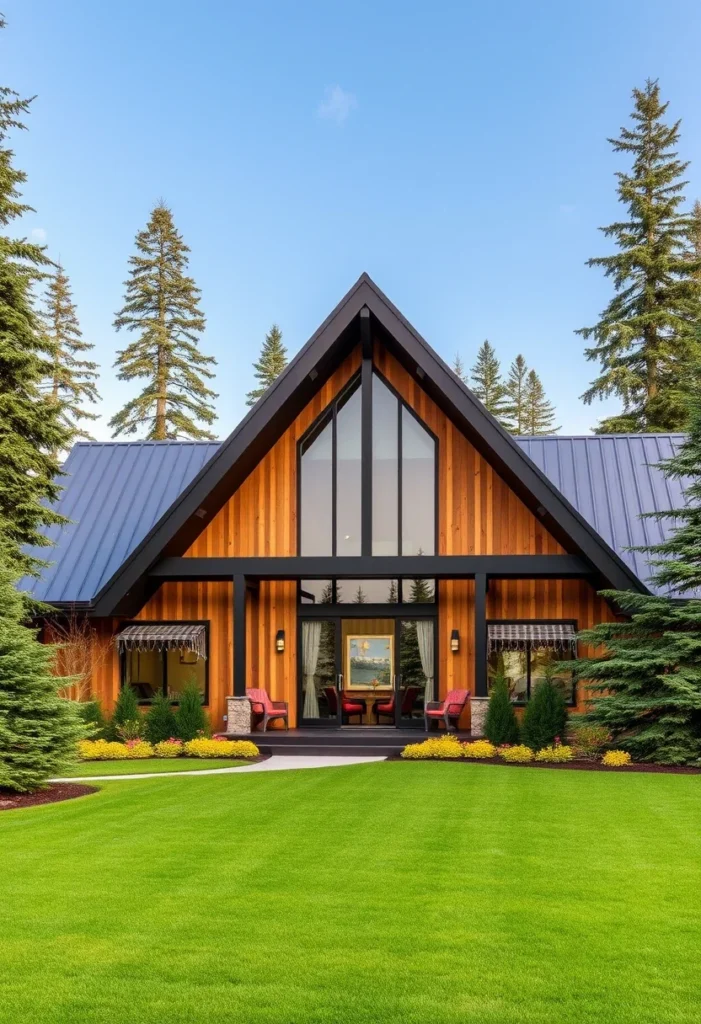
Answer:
x=455 y=151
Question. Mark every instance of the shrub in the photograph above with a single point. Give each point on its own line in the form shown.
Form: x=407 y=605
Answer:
x=588 y=741
x=479 y=748
x=546 y=716
x=93 y=717
x=616 y=758
x=126 y=717
x=203 y=747
x=439 y=746
x=100 y=750
x=160 y=723
x=168 y=748
x=137 y=749
x=191 y=720
x=501 y=724
x=516 y=755
x=555 y=754
x=130 y=730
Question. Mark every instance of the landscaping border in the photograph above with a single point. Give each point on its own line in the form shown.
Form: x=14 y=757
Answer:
x=577 y=766
x=53 y=794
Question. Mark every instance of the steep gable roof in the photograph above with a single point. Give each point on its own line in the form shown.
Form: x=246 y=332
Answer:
x=202 y=497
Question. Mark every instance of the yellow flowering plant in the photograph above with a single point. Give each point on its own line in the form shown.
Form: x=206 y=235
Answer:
x=137 y=750
x=479 y=748
x=516 y=755
x=556 y=754
x=100 y=750
x=169 y=748
x=204 y=747
x=438 y=746
x=616 y=758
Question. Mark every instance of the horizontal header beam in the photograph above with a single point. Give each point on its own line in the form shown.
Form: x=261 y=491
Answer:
x=378 y=567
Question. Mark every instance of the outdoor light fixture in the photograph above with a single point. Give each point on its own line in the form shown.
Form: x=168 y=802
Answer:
x=455 y=641
x=280 y=641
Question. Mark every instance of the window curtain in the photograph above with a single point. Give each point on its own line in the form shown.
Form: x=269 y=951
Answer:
x=311 y=639
x=425 y=638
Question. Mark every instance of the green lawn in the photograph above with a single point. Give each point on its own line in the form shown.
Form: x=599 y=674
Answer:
x=409 y=893
x=151 y=765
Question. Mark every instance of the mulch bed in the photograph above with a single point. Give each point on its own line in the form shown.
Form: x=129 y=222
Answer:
x=53 y=794
x=576 y=766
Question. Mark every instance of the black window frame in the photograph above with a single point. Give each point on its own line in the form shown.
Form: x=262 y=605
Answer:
x=164 y=687
x=400 y=602
x=330 y=414
x=572 y=701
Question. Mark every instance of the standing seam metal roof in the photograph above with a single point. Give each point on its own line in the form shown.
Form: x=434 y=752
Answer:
x=114 y=493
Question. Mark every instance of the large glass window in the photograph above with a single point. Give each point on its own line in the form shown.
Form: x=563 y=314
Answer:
x=385 y=470
x=418 y=488
x=348 y=479
x=524 y=669
x=367 y=591
x=316 y=489
x=166 y=672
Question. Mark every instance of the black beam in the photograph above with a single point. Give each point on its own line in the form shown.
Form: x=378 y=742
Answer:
x=239 y=635
x=380 y=567
x=480 y=635
x=366 y=433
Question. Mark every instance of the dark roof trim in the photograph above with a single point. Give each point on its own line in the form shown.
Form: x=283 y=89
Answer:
x=242 y=450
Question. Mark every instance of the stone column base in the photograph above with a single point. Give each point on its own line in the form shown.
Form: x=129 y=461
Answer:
x=238 y=715
x=478 y=712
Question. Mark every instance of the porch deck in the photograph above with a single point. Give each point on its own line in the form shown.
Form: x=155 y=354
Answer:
x=350 y=740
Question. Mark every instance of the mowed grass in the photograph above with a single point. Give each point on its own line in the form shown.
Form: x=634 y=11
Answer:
x=150 y=765
x=432 y=893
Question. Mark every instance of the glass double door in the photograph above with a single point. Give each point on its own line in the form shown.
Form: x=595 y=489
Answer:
x=365 y=672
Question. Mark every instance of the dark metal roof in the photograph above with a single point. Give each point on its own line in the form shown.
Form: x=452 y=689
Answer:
x=114 y=492
x=610 y=479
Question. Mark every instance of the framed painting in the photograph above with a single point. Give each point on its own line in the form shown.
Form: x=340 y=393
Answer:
x=369 y=662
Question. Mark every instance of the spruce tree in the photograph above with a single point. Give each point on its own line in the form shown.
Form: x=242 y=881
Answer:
x=646 y=338
x=72 y=379
x=545 y=717
x=162 y=306
x=540 y=413
x=38 y=729
x=486 y=382
x=272 y=361
x=459 y=368
x=160 y=723
x=31 y=430
x=190 y=716
x=646 y=683
x=695 y=236
x=500 y=725
x=515 y=410
x=126 y=713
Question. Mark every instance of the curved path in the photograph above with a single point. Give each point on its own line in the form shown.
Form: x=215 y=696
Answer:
x=275 y=763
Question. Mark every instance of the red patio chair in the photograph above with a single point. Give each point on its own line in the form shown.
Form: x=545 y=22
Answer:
x=445 y=710
x=349 y=705
x=263 y=707
x=386 y=707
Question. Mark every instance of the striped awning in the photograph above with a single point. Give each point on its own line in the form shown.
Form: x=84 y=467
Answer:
x=514 y=636
x=180 y=636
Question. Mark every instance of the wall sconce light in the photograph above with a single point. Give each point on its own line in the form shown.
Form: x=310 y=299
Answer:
x=280 y=641
x=455 y=641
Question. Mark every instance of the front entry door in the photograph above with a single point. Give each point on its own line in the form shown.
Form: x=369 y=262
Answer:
x=416 y=670
x=320 y=679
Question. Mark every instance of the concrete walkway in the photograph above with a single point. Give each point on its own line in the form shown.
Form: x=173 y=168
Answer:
x=276 y=763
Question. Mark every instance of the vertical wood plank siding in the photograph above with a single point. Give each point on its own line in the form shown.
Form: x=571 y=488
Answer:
x=477 y=514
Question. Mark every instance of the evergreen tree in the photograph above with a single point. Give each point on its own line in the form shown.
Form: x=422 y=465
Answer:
x=162 y=305
x=38 y=729
x=190 y=716
x=515 y=411
x=93 y=718
x=646 y=339
x=72 y=379
x=695 y=236
x=160 y=723
x=486 y=382
x=646 y=684
x=545 y=717
x=459 y=368
x=272 y=361
x=540 y=413
x=31 y=431
x=360 y=597
x=501 y=724
x=126 y=713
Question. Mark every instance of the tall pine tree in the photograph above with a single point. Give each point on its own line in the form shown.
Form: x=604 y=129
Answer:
x=272 y=361
x=459 y=368
x=162 y=306
x=72 y=379
x=646 y=338
x=31 y=430
x=515 y=411
x=486 y=381
x=540 y=413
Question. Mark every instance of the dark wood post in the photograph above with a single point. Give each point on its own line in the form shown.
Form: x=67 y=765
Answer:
x=239 y=636
x=480 y=635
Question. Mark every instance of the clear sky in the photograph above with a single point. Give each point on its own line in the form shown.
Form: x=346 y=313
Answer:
x=455 y=151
